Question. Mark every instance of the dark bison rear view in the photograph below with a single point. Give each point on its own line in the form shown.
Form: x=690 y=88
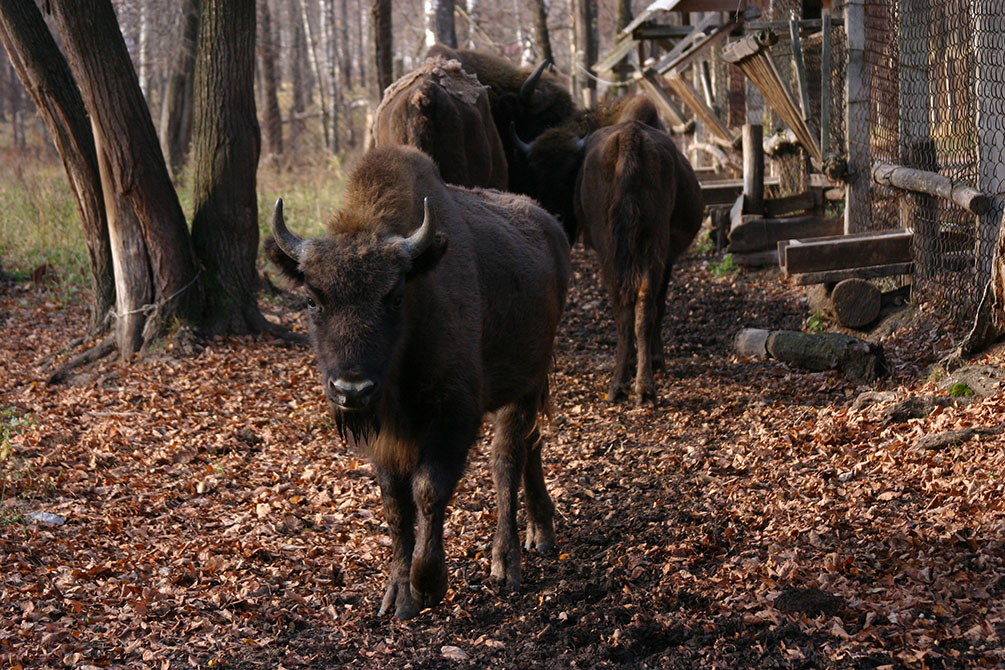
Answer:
x=431 y=305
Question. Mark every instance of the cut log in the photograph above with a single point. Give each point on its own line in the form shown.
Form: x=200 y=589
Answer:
x=859 y=361
x=808 y=200
x=931 y=183
x=856 y=302
x=760 y=234
x=847 y=251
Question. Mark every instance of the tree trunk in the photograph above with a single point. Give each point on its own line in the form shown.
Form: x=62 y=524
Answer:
x=225 y=156
x=542 y=38
x=176 y=110
x=622 y=17
x=270 y=82
x=316 y=67
x=382 y=45
x=586 y=51
x=345 y=52
x=440 y=23
x=46 y=75
x=330 y=75
x=297 y=77
x=136 y=177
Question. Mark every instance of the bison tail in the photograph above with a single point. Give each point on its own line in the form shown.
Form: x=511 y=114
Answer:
x=627 y=213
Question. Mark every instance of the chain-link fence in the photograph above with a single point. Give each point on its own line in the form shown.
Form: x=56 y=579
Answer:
x=934 y=76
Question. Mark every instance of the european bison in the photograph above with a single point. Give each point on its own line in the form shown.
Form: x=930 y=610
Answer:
x=418 y=334
x=444 y=111
x=530 y=100
x=638 y=203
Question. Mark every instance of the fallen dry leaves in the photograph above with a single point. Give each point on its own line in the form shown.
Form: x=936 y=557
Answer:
x=750 y=519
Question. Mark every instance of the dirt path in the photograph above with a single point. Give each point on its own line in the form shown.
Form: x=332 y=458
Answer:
x=750 y=519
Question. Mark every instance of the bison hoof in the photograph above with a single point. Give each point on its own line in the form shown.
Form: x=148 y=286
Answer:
x=616 y=393
x=428 y=582
x=540 y=538
x=398 y=597
x=506 y=567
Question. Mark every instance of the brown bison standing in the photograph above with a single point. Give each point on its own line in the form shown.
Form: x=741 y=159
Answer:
x=638 y=203
x=418 y=334
x=532 y=101
x=444 y=111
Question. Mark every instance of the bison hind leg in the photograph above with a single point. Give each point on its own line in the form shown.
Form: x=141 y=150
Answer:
x=515 y=447
x=540 y=508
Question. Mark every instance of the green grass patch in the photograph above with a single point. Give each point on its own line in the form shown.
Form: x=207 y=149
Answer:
x=724 y=268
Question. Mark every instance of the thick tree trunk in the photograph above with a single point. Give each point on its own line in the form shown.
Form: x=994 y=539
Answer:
x=137 y=175
x=317 y=69
x=225 y=156
x=176 y=110
x=298 y=106
x=622 y=17
x=382 y=45
x=270 y=81
x=46 y=75
x=586 y=51
x=542 y=38
x=440 y=23
x=330 y=74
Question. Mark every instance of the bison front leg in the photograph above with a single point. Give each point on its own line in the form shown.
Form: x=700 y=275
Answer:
x=399 y=510
x=540 y=508
x=432 y=488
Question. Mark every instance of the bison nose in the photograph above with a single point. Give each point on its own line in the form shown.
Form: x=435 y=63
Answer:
x=351 y=393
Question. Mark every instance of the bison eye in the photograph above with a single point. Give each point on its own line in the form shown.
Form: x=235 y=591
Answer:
x=312 y=305
x=397 y=299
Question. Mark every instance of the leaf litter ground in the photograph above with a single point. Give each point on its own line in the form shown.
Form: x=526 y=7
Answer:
x=751 y=518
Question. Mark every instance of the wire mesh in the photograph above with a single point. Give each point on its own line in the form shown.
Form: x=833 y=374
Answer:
x=935 y=75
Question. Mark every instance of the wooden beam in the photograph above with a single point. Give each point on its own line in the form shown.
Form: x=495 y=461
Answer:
x=825 y=82
x=651 y=85
x=760 y=234
x=812 y=199
x=857 y=129
x=847 y=251
x=704 y=113
x=835 y=276
x=702 y=41
x=797 y=59
x=930 y=183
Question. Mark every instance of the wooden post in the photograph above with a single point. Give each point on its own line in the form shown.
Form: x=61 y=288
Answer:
x=931 y=183
x=857 y=211
x=753 y=168
x=825 y=83
x=987 y=19
x=917 y=148
x=800 y=67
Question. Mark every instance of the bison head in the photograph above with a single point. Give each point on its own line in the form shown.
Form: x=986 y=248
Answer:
x=553 y=161
x=358 y=290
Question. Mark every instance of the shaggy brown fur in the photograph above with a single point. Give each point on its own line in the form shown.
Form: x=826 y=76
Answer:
x=464 y=327
x=444 y=111
x=550 y=104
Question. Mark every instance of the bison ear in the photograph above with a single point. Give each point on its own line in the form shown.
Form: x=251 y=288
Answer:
x=289 y=269
x=428 y=259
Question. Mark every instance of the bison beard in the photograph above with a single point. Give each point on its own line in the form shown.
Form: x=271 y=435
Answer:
x=355 y=427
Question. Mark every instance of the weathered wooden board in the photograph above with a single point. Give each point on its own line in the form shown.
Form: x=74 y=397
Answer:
x=835 y=276
x=847 y=251
x=808 y=200
x=760 y=234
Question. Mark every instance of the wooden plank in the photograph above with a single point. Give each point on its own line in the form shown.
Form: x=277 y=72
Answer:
x=697 y=32
x=797 y=59
x=775 y=207
x=857 y=128
x=758 y=259
x=835 y=276
x=678 y=61
x=847 y=251
x=620 y=49
x=706 y=114
x=725 y=191
x=662 y=98
x=760 y=234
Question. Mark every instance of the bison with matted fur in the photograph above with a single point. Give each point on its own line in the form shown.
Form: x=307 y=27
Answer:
x=531 y=100
x=429 y=306
x=444 y=111
x=636 y=200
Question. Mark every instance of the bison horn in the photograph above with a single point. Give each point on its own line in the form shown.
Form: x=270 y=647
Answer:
x=419 y=241
x=292 y=245
x=522 y=146
x=581 y=143
x=529 y=84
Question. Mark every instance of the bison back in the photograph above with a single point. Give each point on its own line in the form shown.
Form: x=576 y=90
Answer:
x=444 y=112
x=636 y=200
x=523 y=277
